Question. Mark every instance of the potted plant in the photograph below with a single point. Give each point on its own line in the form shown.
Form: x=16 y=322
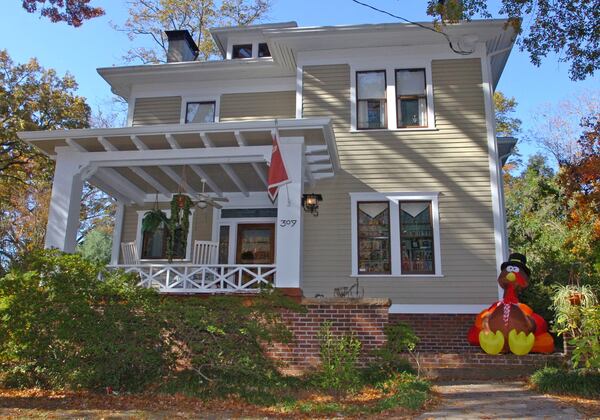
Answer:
x=569 y=302
x=152 y=220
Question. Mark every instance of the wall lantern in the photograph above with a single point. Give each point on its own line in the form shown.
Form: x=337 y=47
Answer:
x=310 y=202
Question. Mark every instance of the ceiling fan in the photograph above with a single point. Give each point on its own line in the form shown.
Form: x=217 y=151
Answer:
x=205 y=200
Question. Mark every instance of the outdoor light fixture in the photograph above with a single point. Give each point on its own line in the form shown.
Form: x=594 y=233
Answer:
x=310 y=202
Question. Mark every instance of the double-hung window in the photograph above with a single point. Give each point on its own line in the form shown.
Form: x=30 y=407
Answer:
x=395 y=234
x=200 y=112
x=371 y=99
x=411 y=98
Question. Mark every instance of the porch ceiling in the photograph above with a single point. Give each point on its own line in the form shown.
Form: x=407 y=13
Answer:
x=125 y=171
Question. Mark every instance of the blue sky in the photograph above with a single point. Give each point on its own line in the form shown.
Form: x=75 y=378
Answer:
x=81 y=50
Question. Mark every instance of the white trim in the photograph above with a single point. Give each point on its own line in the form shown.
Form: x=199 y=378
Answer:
x=390 y=76
x=434 y=308
x=195 y=98
x=138 y=235
x=395 y=198
x=299 y=91
x=117 y=233
x=499 y=215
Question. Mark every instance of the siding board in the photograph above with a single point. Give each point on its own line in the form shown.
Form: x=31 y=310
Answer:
x=160 y=110
x=255 y=106
x=452 y=160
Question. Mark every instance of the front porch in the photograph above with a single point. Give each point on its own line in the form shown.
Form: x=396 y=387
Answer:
x=144 y=166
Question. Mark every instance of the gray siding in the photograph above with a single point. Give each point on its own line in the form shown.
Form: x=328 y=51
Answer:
x=254 y=106
x=452 y=160
x=160 y=110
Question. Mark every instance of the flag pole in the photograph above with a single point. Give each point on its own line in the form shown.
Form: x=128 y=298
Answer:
x=287 y=190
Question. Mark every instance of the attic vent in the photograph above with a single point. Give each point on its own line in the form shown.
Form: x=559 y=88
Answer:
x=181 y=47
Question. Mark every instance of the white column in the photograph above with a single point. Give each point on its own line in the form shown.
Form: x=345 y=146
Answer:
x=116 y=239
x=65 y=203
x=289 y=235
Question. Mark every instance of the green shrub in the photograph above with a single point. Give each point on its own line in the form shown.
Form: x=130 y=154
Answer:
x=575 y=382
x=221 y=339
x=587 y=343
x=63 y=327
x=391 y=357
x=339 y=356
x=405 y=390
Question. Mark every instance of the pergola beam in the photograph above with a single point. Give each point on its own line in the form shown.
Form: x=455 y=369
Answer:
x=241 y=141
x=142 y=147
x=197 y=169
x=142 y=173
x=208 y=144
x=106 y=176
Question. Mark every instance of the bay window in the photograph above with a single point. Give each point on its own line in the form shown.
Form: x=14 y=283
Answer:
x=395 y=234
x=371 y=99
x=411 y=98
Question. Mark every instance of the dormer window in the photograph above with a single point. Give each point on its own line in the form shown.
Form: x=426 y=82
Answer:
x=242 y=51
x=263 y=50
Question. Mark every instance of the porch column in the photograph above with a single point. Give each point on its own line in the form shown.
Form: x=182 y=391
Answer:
x=289 y=218
x=65 y=203
x=117 y=230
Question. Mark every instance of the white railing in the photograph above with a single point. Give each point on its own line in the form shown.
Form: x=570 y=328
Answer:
x=210 y=278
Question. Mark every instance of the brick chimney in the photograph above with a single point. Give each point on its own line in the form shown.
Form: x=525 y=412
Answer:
x=181 y=46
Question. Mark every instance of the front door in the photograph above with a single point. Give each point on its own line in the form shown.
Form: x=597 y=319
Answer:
x=255 y=243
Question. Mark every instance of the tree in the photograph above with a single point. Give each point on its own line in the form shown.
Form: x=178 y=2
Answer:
x=97 y=246
x=506 y=124
x=31 y=98
x=150 y=18
x=73 y=12
x=565 y=27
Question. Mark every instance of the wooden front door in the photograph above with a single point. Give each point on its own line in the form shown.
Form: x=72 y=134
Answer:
x=255 y=244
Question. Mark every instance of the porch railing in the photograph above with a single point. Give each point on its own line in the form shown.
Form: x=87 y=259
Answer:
x=211 y=278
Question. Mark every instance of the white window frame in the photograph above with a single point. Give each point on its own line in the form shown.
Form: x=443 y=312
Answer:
x=394 y=199
x=139 y=237
x=390 y=74
x=186 y=99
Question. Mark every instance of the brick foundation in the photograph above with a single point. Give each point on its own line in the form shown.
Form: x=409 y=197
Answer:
x=366 y=318
x=439 y=333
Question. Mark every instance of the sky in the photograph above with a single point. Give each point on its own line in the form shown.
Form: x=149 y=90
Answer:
x=80 y=51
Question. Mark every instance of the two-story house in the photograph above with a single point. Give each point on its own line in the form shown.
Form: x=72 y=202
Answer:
x=391 y=124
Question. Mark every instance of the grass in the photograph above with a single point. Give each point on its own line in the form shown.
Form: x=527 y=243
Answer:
x=303 y=396
x=553 y=380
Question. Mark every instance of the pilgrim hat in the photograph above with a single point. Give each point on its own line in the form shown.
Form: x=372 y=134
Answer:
x=518 y=260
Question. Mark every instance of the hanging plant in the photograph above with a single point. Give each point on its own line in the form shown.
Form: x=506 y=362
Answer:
x=152 y=220
x=179 y=222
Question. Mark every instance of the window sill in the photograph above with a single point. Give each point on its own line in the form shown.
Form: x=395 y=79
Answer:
x=404 y=130
x=397 y=275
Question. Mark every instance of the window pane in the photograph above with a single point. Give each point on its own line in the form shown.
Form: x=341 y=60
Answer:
x=374 y=238
x=371 y=114
x=242 y=51
x=200 y=112
x=412 y=112
x=224 y=244
x=410 y=82
x=416 y=237
x=370 y=85
x=243 y=213
x=263 y=50
x=153 y=244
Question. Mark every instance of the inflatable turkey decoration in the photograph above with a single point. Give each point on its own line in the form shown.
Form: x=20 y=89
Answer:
x=509 y=324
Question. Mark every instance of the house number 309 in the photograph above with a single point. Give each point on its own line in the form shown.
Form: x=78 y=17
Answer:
x=288 y=222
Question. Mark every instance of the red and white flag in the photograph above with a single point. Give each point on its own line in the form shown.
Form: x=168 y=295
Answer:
x=277 y=174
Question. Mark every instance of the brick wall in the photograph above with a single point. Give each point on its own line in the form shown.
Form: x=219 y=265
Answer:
x=366 y=318
x=439 y=333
